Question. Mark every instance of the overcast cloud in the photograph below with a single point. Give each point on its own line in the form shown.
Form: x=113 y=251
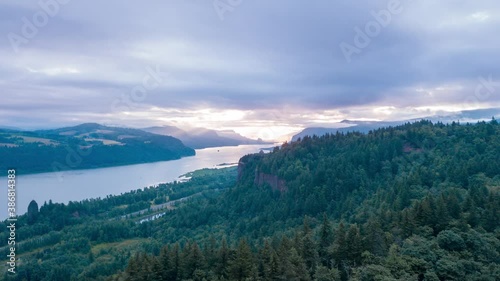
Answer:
x=264 y=68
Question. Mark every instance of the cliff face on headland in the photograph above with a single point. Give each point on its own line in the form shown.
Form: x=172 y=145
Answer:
x=241 y=168
x=260 y=178
x=274 y=181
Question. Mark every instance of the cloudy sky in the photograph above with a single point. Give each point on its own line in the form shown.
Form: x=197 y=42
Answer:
x=263 y=68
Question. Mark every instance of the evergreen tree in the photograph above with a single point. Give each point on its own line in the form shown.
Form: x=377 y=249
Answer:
x=265 y=258
x=354 y=245
x=309 y=248
x=300 y=272
x=173 y=271
x=32 y=212
x=242 y=265
x=324 y=273
x=325 y=241
x=194 y=261
x=339 y=248
x=223 y=256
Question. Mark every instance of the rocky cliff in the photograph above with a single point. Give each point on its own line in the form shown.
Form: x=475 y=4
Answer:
x=260 y=178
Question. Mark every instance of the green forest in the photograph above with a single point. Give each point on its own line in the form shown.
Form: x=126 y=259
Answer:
x=420 y=201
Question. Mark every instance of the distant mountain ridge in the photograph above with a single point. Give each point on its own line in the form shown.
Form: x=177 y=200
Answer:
x=198 y=138
x=10 y=128
x=356 y=126
x=366 y=126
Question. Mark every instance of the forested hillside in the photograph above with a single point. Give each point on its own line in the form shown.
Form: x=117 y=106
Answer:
x=94 y=238
x=84 y=146
x=415 y=202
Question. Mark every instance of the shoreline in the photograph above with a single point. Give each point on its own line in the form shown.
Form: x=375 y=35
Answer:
x=180 y=178
x=22 y=173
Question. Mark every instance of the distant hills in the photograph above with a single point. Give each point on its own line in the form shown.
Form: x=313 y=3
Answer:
x=346 y=126
x=366 y=126
x=9 y=128
x=85 y=146
x=198 y=138
x=92 y=145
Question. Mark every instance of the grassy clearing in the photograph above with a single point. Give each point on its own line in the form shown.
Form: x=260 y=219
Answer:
x=41 y=140
x=129 y=243
x=106 y=142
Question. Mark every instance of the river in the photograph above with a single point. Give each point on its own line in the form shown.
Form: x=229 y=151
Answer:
x=77 y=185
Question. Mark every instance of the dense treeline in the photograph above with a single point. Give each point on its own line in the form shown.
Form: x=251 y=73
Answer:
x=415 y=202
x=419 y=202
x=349 y=252
x=350 y=177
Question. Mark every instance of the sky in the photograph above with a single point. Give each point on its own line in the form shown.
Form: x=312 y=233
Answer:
x=262 y=68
